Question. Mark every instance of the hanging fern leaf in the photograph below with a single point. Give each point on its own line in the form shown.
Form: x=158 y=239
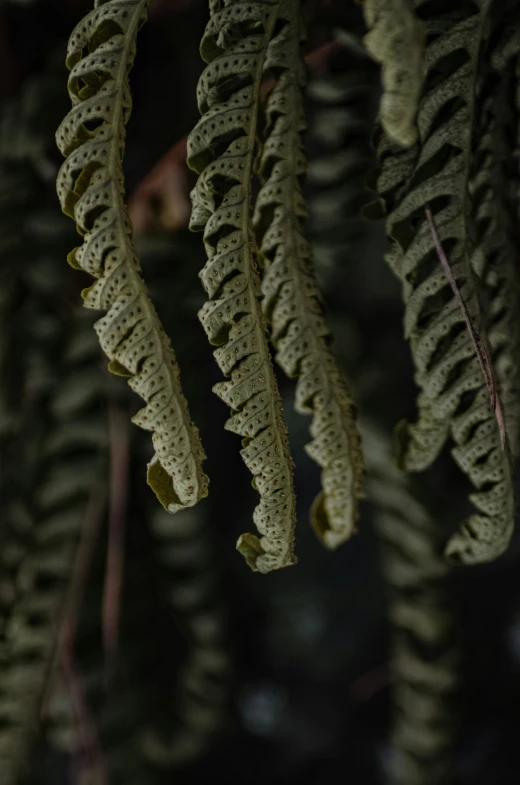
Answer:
x=454 y=397
x=291 y=295
x=221 y=148
x=396 y=40
x=495 y=251
x=91 y=188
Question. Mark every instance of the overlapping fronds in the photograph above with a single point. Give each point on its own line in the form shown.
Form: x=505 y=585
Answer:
x=192 y=586
x=91 y=188
x=396 y=40
x=424 y=658
x=222 y=148
x=291 y=295
x=67 y=462
x=454 y=394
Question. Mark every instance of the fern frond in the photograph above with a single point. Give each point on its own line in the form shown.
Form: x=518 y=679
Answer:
x=50 y=522
x=91 y=190
x=396 y=40
x=495 y=249
x=101 y=736
x=424 y=658
x=221 y=148
x=193 y=591
x=342 y=102
x=454 y=397
x=291 y=295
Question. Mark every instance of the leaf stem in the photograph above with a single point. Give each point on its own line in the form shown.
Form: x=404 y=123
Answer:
x=119 y=458
x=480 y=349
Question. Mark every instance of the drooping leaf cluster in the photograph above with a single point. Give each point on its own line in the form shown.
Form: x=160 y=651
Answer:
x=448 y=172
x=245 y=44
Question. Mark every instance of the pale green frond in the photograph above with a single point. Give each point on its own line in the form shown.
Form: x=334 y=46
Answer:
x=91 y=190
x=292 y=301
x=454 y=395
x=221 y=149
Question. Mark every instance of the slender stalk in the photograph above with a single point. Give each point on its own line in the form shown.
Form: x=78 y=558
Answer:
x=70 y=617
x=114 y=574
x=480 y=349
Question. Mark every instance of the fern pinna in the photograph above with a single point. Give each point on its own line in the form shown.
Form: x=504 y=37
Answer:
x=91 y=187
x=291 y=295
x=454 y=395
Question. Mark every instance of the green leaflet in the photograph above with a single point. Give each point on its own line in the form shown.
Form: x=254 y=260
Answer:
x=221 y=148
x=91 y=190
x=454 y=397
x=396 y=40
x=291 y=295
x=424 y=659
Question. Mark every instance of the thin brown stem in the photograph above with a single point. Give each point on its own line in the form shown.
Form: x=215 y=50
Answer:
x=90 y=755
x=119 y=460
x=89 y=537
x=480 y=349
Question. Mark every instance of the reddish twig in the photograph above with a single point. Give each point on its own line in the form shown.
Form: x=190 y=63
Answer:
x=119 y=459
x=480 y=349
x=67 y=633
x=90 y=752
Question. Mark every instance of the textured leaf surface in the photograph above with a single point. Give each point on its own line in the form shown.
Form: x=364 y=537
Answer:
x=91 y=190
x=454 y=397
x=291 y=295
x=396 y=40
x=221 y=148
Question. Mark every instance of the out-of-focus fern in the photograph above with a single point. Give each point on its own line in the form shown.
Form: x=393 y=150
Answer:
x=496 y=249
x=156 y=715
x=101 y=737
x=222 y=149
x=454 y=396
x=91 y=187
x=396 y=40
x=291 y=295
x=341 y=98
x=68 y=466
x=423 y=655
x=17 y=188
x=191 y=579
